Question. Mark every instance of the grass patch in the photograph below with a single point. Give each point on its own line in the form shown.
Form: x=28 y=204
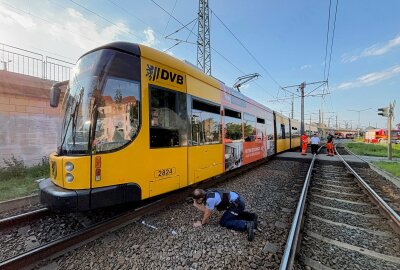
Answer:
x=17 y=180
x=377 y=150
x=392 y=167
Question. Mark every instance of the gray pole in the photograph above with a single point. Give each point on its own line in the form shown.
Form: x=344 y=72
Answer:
x=293 y=107
x=319 y=119
x=336 y=122
x=302 y=86
x=391 y=112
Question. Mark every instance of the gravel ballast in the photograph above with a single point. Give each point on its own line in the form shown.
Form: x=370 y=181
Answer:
x=168 y=240
x=341 y=233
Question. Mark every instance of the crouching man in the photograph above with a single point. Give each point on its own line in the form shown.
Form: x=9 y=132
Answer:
x=234 y=218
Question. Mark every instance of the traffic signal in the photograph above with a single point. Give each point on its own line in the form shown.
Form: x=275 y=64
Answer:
x=383 y=111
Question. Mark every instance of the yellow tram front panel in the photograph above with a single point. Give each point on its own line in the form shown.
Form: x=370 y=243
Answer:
x=70 y=172
x=79 y=176
x=56 y=170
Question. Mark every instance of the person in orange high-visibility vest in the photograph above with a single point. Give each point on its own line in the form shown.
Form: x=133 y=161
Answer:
x=329 y=145
x=304 y=143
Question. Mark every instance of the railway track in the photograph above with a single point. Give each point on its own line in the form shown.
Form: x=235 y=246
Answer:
x=96 y=230
x=19 y=219
x=344 y=225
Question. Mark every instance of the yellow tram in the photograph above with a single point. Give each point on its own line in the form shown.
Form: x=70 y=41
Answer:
x=139 y=123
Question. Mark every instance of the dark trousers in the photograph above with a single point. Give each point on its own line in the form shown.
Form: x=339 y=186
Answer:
x=235 y=217
x=314 y=149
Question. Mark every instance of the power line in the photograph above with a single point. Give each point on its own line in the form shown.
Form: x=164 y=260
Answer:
x=247 y=50
x=45 y=20
x=104 y=18
x=132 y=14
x=169 y=19
x=327 y=37
x=333 y=36
x=191 y=31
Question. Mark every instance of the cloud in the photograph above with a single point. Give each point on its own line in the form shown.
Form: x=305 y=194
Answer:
x=150 y=38
x=305 y=67
x=371 y=78
x=379 y=50
x=83 y=32
x=374 y=50
x=9 y=17
x=66 y=32
x=349 y=58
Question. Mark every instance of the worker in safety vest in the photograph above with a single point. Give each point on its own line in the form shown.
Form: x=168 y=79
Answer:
x=304 y=143
x=329 y=145
x=234 y=218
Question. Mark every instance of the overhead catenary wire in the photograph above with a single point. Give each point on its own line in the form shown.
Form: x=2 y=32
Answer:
x=246 y=49
x=136 y=17
x=107 y=20
x=327 y=38
x=21 y=11
x=169 y=19
x=191 y=31
x=333 y=37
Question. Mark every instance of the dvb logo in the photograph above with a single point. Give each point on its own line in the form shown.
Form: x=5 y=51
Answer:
x=155 y=73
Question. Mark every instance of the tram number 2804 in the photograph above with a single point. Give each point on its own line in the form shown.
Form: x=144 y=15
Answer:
x=164 y=172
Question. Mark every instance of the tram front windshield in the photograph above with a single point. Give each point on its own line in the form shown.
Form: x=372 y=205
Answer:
x=101 y=105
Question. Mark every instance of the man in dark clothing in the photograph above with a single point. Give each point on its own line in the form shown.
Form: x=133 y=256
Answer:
x=234 y=218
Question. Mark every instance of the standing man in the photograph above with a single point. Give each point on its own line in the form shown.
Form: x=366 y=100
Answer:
x=304 y=143
x=329 y=145
x=234 y=218
x=314 y=144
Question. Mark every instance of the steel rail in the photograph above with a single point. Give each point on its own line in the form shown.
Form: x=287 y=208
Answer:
x=370 y=163
x=24 y=217
x=81 y=237
x=292 y=241
x=387 y=209
x=86 y=235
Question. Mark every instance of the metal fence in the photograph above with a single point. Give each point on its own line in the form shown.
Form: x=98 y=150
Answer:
x=34 y=64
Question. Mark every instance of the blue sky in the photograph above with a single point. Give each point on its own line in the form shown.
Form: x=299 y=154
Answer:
x=287 y=37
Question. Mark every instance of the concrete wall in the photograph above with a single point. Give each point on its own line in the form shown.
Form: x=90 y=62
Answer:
x=29 y=127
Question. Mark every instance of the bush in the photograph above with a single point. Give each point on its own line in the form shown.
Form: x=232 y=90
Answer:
x=16 y=168
x=41 y=169
x=13 y=168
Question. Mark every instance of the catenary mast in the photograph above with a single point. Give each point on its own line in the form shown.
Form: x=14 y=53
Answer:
x=203 y=38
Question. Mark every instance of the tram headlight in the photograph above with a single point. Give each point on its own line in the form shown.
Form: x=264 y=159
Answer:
x=69 y=166
x=69 y=178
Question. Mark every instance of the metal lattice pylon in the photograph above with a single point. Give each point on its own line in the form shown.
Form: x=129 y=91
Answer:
x=203 y=38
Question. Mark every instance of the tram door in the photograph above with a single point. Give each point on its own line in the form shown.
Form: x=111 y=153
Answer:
x=168 y=139
x=205 y=150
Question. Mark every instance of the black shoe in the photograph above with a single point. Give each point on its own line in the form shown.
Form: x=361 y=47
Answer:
x=250 y=230
x=255 y=220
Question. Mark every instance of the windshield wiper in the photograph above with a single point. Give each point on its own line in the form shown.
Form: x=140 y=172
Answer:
x=73 y=116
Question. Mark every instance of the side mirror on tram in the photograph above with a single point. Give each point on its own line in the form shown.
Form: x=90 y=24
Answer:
x=55 y=93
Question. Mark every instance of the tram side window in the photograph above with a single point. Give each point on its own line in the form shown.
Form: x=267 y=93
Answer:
x=283 y=133
x=206 y=123
x=250 y=132
x=295 y=132
x=270 y=130
x=233 y=125
x=260 y=129
x=168 y=118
